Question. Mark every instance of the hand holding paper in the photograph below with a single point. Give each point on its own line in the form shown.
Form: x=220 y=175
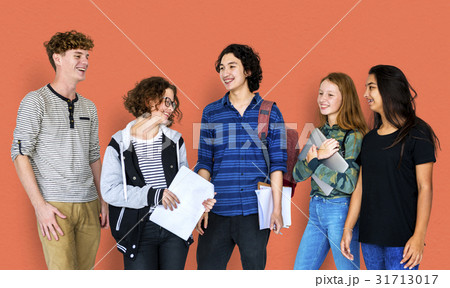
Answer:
x=208 y=204
x=169 y=200
x=265 y=206
x=192 y=191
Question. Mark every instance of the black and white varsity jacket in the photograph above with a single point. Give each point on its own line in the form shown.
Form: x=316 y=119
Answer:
x=123 y=186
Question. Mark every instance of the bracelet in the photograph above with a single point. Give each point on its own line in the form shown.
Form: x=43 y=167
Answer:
x=348 y=229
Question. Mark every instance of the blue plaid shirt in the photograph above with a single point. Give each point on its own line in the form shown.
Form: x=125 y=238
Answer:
x=231 y=151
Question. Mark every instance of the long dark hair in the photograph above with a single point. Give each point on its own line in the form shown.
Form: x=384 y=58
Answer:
x=399 y=106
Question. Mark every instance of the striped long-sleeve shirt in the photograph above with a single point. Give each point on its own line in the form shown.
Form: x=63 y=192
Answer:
x=343 y=183
x=60 y=137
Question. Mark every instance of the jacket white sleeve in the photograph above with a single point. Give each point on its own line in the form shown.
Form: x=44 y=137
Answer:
x=111 y=184
x=183 y=156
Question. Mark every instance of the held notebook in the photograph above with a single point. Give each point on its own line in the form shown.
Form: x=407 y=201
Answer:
x=335 y=162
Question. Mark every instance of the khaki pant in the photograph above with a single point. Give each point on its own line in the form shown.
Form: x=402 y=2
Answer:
x=78 y=247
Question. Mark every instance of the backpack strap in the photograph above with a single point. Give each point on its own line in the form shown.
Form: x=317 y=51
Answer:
x=263 y=129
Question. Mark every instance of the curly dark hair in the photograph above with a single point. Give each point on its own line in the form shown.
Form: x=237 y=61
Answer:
x=149 y=90
x=250 y=60
x=64 y=41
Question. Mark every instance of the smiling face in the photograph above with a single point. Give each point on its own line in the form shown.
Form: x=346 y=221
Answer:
x=329 y=100
x=162 y=109
x=232 y=73
x=72 y=64
x=372 y=94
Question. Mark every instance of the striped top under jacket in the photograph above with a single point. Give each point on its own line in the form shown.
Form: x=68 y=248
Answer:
x=60 y=137
x=231 y=151
x=149 y=156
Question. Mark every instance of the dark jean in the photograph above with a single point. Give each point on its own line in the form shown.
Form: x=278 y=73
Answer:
x=223 y=233
x=383 y=258
x=158 y=249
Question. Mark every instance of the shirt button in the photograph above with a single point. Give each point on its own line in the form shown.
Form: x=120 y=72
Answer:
x=134 y=247
x=171 y=166
x=134 y=177
x=242 y=189
x=132 y=256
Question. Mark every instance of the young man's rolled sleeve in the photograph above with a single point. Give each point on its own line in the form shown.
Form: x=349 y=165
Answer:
x=277 y=141
x=27 y=126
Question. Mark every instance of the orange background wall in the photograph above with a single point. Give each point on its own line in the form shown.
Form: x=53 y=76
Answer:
x=183 y=39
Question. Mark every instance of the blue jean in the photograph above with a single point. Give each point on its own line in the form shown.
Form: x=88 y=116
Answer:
x=159 y=249
x=324 y=231
x=378 y=257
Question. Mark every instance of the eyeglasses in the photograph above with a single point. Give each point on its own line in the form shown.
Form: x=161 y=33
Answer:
x=170 y=103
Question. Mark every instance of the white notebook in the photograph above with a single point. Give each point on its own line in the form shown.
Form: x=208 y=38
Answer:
x=191 y=189
x=265 y=205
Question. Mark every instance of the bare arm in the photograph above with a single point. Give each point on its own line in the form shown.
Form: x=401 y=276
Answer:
x=414 y=247
x=352 y=216
x=276 y=183
x=96 y=168
x=208 y=203
x=45 y=213
x=205 y=174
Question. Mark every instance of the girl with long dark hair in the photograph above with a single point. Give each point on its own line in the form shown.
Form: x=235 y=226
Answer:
x=394 y=191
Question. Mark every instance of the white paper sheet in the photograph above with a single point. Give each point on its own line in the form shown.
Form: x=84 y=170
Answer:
x=265 y=206
x=191 y=189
